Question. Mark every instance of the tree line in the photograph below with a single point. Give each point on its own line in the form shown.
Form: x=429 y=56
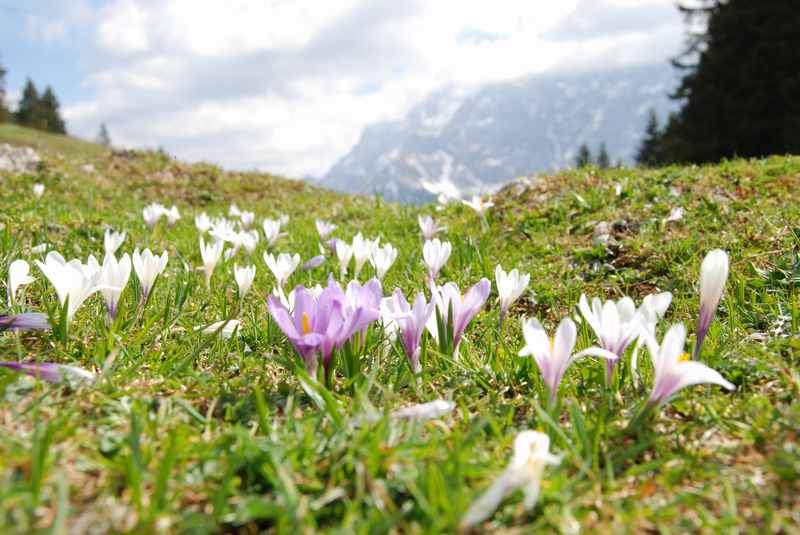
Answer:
x=35 y=109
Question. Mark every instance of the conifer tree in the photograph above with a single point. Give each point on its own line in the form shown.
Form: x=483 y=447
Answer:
x=650 y=150
x=603 y=161
x=584 y=156
x=29 y=109
x=4 y=114
x=51 y=116
x=102 y=136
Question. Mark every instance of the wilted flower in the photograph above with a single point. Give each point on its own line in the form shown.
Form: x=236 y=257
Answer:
x=114 y=277
x=509 y=287
x=50 y=372
x=211 y=255
x=428 y=227
x=202 y=222
x=244 y=278
x=18 y=275
x=112 y=241
x=282 y=266
x=411 y=322
x=152 y=213
x=553 y=357
x=382 y=259
x=324 y=228
x=435 y=254
x=713 y=275
x=672 y=368
x=70 y=279
x=27 y=321
x=478 y=204
x=616 y=325
x=148 y=267
x=531 y=455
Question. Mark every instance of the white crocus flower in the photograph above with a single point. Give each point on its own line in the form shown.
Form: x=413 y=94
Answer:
x=225 y=328
x=114 y=275
x=152 y=213
x=344 y=252
x=112 y=241
x=244 y=278
x=202 y=222
x=234 y=211
x=554 y=356
x=282 y=266
x=72 y=280
x=531 y=456
x=148 y=267
x=442 y=200
x=616 y=325
x=222 y=229
x=173 y=215
x=272 y=231
x=211 y=255
x=479 y=205
x=39 y=249
x=675 y=215
x=249 y=240
x=651 y=311
x=247 y=218
x=673 y=370
x=713 y=276
x=435 y=254
x=38 y=190
x=428 y=227
x=283 y=219
x=324 y=228
x=362 y=250
x=382 y=259
x=509 y=287
x=18 y=275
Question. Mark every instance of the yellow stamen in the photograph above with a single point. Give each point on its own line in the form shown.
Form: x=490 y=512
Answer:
x=552 y=345
x=306 y=323
x=684 y=357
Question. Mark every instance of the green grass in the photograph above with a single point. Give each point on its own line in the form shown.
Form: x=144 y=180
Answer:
x=189 y=433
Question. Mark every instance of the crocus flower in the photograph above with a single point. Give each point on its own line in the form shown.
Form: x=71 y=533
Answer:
x=317 y=326
x=713 y=275
x=651 y=311
x=247 y=218
x=509 y=287
x=428 y=227
x=70 y=279
x=464 y=308
x=38 y=190
x=244 y=278
x=173 y=215
x=324 y=228
x=27 y=321
x=234 y=211
x=313 y=262
x=152 y=213
x=553 y=357
x=211 y=255
x=50 y=372
x=411 y=322
x=382 y=259
x=442 y=200
x=225 y=328
x=114 y=277
x=282 y=266
x=616 y=325
x=672 y=368
x=531 y=456
x=424 y=411
x=41 y=248
x=344 y=252
x=148 y=267
x=362 y=250
x=249 y=240
x=435 y=254
x=479 y=205
x=283 y=219
x=675 y=215
x=112 y=241
x=222 y=230
x=18 y=275
x=202 y=222
x=272 y=231
x=357 y=295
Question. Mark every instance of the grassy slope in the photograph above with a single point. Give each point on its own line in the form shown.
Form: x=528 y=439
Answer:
x=173 y=437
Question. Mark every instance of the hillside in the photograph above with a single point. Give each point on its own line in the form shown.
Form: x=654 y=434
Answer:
x=184 y=432
x=462 y=142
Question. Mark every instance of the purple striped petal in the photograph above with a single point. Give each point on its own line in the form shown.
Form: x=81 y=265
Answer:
x=50 y=372
x=28 y=321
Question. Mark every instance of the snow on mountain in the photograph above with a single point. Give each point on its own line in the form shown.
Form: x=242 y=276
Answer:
x=461 y=142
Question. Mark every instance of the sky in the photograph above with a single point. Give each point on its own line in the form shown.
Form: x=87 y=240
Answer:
x=287 y=86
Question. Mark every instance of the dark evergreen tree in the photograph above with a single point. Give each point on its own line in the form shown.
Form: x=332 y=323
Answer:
x=584 y=156
x=29 y=108
x=102 y=136
x=740 y=90
x=51 y=116
x=603 y=161
x=4 y=114
x=650 y=151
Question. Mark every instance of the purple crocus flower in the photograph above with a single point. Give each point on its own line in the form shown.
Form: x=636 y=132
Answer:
x=27 y=321
x=464 y=307
x=313 y=262
x=318 y=326
x=51 y=372
x=411 y=321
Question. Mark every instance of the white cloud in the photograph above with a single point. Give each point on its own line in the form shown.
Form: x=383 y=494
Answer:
x=287 y=85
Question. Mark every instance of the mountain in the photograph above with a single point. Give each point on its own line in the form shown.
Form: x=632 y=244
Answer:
x=461 y=142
